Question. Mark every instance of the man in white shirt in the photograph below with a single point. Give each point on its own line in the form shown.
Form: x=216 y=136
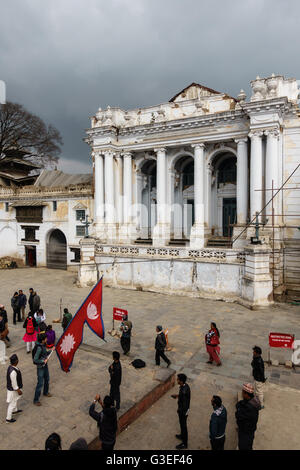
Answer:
x=14 y=388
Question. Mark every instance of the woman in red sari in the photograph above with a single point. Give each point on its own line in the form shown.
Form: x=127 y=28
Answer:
x=212 y=341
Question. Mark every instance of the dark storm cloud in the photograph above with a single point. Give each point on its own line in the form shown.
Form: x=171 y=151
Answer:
x=63 y=59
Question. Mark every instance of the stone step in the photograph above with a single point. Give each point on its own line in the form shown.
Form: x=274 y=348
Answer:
x=219 y=241
x=178 y=242
x=143 y=241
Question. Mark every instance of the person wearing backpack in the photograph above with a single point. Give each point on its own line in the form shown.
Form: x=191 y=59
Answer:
x=30 y=336
x=160 y=344
x=40 y=358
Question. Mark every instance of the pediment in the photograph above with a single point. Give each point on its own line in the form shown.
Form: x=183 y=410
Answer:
x=80 y=206
x=194 y=91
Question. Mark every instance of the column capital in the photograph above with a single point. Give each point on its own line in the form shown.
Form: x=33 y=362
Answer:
x=127 y=154
x=160 y=149
x=274 y=132
x=241 y=140
x=198 y=145
x=256 y=133
x=109 y=153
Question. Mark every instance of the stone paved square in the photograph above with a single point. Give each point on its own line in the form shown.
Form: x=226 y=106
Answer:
x=187 y=319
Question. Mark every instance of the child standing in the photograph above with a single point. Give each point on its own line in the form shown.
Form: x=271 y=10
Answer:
x=30 y=336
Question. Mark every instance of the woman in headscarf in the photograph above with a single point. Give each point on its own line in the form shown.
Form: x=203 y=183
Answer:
x=212 y=341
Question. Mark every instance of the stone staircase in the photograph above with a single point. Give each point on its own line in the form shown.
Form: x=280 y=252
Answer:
x=216 y=242
x=179 y=242
x=143 y=241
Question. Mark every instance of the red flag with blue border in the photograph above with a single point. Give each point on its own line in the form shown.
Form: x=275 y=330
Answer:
x=90 y=312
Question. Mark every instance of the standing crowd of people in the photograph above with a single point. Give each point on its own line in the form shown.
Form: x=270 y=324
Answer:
x=40 y=341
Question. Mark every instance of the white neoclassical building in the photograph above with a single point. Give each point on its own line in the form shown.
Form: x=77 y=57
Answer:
x=183 y=181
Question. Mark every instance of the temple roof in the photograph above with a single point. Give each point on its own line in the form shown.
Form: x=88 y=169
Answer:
x=56 y=178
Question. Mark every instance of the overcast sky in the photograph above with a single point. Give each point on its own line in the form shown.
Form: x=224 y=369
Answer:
x=63 y=59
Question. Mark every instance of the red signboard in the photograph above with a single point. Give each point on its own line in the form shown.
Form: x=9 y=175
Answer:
x=281 y=340
x=118 y=313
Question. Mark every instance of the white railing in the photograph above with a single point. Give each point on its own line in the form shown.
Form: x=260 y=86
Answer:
x=226 y=255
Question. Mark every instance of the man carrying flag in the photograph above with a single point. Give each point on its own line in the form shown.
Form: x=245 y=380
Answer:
x=90 y=312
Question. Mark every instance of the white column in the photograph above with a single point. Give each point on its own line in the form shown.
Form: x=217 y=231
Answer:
x=256 y=173
x=242 y=181
x=119 y=189
x=127 y=233
x=197 y=232
x=110 y=215
x=208 y=208
x=99 y=196
x=272 y=171
x=161 y=231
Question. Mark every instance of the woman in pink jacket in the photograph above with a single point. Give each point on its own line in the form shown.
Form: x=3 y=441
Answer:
x=212 y=341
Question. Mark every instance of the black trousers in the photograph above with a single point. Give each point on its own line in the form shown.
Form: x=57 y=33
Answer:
x=160 y=354
x=115 y=395
x=217 y=444
x=183 y=427
x=16 y=312
x=125 y=343
x=108 y=446
x=245 y=440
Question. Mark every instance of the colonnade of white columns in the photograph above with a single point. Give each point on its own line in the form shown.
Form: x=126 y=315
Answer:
x=260 y=183
x=113 y=196
x=114 y=182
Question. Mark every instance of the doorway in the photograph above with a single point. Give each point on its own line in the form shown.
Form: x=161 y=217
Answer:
x=229 y=215
x=30 y=256
x=57 y=250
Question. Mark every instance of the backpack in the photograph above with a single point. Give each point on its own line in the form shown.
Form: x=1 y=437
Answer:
x=29 y=326
x=138 y=363
x=33 y=352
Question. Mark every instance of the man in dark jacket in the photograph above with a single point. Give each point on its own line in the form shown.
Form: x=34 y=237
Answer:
x=160 y=344
x=30 y=300
x=115 y=371
x=258 y=370
x=15 y=307
x=184 y=398
x=22 y=303
x=107 y=421
x=40 y=359
x=217 y=424
x=247 y=411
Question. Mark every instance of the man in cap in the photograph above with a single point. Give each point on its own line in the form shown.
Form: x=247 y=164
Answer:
x=126 y=327
x=14 y=388
x=247 y=411
x=160 y=344
x=258 y=371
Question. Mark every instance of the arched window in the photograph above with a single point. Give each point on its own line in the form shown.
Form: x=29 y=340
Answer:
x=188 y=175
x=227 y=171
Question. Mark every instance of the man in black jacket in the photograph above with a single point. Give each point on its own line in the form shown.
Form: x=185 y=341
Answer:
x=184 y=398
x=107 y=421
x=258 y=370
x=115 y=371
x=160 y=344
x=247 y=411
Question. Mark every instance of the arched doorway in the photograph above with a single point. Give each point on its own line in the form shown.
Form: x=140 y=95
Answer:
x=223 y=194
x=148 y=208
x=57 y=250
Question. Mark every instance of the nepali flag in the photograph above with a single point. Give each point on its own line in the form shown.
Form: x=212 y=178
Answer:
x=90 y=312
